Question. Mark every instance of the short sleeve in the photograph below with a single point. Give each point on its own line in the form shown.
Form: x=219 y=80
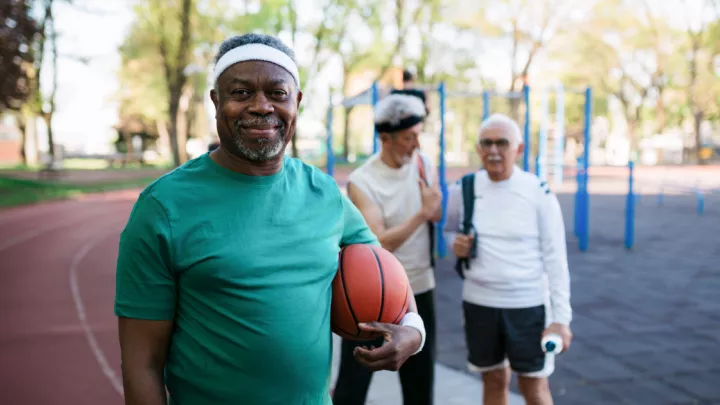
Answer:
x=355 y=229
x=145 y=285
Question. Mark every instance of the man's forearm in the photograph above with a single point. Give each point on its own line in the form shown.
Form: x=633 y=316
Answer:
x=394 y=237
x=144 y=387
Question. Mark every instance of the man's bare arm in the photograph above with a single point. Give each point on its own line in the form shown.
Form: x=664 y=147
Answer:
x=391 y=238
x=144 y=345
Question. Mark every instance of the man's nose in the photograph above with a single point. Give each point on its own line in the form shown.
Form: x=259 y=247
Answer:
x=260 y=104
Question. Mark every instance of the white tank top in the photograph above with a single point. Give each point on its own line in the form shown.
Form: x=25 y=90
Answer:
x=397 y=193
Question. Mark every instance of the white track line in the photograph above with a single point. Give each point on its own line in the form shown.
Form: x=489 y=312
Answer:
x=115 y=381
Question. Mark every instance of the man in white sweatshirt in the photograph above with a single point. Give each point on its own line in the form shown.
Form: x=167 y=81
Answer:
x=396 y=192
x=517 y=255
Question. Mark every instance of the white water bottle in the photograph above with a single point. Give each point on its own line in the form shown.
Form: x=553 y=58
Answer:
x=552 y=343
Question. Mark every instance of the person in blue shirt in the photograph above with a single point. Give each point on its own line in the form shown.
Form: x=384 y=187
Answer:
x=225 y=266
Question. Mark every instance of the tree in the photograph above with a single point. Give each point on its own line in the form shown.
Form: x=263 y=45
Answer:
x=167 y=55
x=528 y=26
x=17 y=37
x=703 y=90
x=625 y=51
x=172 y=41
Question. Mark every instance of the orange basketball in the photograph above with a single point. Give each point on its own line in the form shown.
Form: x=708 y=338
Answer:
x=370 y=285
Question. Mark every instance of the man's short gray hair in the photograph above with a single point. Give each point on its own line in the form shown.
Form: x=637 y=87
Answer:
x=501 y=120
x=396 y=107
x=253 y=38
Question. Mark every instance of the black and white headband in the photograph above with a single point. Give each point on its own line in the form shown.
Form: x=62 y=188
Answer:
x=405 y=123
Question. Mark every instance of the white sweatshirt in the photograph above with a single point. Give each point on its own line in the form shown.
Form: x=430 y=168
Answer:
x=521 y=244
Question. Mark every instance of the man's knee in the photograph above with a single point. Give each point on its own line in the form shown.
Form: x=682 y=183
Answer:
x=497 y=380
x=536 y=391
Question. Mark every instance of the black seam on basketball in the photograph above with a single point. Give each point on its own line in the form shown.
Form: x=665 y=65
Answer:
x=347 y=296
x=336 y=326
x=382 y=284
x=403 y=306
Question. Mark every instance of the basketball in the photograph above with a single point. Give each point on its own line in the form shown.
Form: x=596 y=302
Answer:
x=370 y=285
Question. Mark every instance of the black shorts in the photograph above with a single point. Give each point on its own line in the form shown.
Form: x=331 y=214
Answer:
x=496 y=337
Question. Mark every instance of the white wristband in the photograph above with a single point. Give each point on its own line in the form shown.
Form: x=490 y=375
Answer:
x=413 y=320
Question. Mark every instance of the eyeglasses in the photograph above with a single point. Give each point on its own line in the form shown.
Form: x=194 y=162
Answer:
x=502 y=144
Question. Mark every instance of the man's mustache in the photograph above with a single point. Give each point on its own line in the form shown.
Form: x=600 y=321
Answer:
x=259 y=121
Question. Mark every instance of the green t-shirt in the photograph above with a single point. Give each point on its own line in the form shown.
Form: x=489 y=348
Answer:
x=243 y=265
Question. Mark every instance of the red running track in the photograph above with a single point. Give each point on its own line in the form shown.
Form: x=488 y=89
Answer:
x=58 y=333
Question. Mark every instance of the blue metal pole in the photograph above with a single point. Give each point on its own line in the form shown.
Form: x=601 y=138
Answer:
x=441 y=174
x=486 y=104
x=585 y=236
x=526 y=153
x=700 y=201
x=559 y=133
x=330 y=154
x=578 y=197
x=630 y=211
x=375 y=98
x=541 y=165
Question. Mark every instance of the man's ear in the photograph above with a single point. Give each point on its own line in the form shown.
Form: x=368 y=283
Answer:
x=214 y=98
x=299 y=98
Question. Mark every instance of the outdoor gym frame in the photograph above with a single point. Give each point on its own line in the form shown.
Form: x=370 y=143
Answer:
x=582 y=200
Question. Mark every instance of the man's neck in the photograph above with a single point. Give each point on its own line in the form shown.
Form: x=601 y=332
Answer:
x=386 y=158
x=505 y=176
x=247 y=167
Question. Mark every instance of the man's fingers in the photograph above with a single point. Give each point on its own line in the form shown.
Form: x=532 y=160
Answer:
x=382 y=358
x=376 y=327
x=382 y=352
x=372 y=365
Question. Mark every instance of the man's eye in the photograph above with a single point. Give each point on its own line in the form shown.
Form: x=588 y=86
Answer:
x=279 y=93
x=240 y=91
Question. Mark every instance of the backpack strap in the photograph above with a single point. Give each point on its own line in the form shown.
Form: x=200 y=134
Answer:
x=431 y=226
x=468 y=194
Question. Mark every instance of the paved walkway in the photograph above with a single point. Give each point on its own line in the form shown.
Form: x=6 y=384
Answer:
x=646 y=322
x=453 y=387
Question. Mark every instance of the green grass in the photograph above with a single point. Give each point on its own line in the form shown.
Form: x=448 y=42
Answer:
x=14 y=192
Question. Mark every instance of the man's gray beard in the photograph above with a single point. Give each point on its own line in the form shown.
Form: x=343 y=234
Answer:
x=269 y=149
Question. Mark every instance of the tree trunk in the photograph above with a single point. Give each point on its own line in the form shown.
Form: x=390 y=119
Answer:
x=698 y=117
x=23 y=139
x=173 y=132
x=48 y=115
x=660 y=110
x=175 y=77
x=346 y=133
x=29 y=146
x=348 y=111
x=130 y=151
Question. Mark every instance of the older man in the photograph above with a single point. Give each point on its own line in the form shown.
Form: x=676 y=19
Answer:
x=517 y=236
x=226 y=263
x=396 y=191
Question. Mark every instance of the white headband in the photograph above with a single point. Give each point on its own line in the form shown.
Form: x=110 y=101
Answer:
x=257 y=52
